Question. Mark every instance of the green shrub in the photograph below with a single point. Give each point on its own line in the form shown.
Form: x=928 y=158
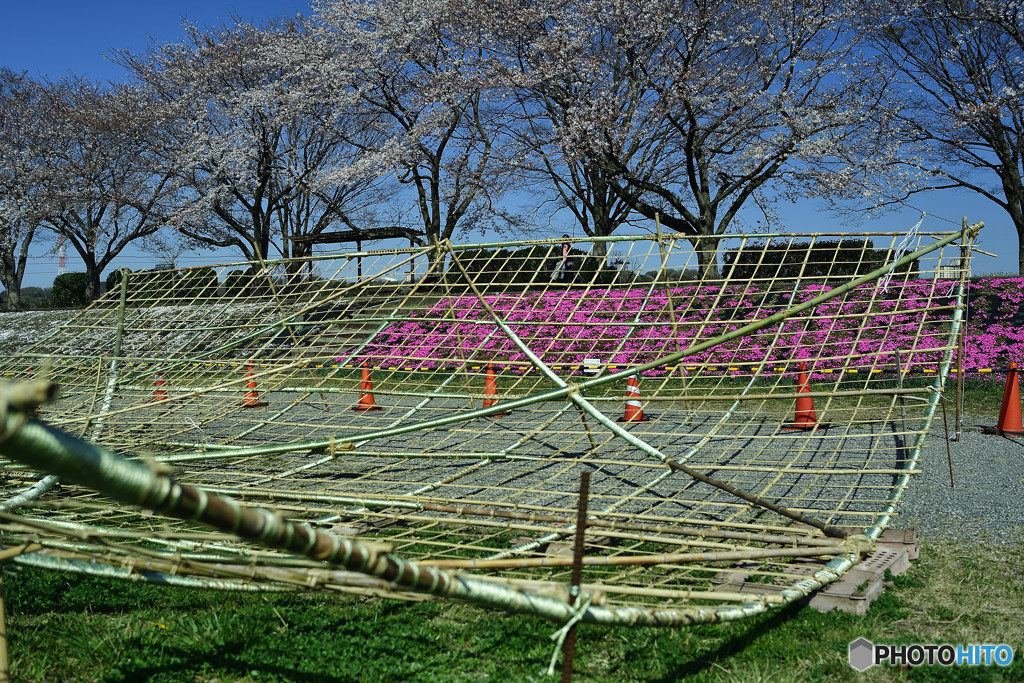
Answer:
x=247 y=283
x=199 y=283
x=237 y=283
x=834 y=259
x=113 y=280
x=69 y=290
x=151 y=286
x=527 y=266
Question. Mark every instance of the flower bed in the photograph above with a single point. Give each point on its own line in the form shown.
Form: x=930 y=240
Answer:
x=630 y=326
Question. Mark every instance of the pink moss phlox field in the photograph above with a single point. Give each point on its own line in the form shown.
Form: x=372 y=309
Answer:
x=626 y=326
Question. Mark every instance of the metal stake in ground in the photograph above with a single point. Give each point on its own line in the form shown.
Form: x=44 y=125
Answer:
x=569 y=647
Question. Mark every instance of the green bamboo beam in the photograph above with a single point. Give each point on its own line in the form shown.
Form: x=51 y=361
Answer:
x=108 y=395
x=135 y=483
x=106 y=571
x=611 y=239
x=30 y=494
x=913 y=461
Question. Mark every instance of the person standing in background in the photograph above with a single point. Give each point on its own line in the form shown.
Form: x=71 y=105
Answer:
x=564 y=271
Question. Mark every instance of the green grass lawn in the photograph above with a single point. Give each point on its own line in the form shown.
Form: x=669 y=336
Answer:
x=70 y=628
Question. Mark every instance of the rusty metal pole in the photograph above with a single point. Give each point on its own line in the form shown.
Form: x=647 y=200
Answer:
x=569 y=646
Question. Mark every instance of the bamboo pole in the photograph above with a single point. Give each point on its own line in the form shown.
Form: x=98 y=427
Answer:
x=912 y=462
x=637 y=560
x=136 y=483
x=108 y=395
x=958 y=419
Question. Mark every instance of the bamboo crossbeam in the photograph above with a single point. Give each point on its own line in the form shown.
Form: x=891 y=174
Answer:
x=638 y=560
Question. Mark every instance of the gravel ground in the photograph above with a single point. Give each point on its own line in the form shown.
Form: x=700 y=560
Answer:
x=986 y=501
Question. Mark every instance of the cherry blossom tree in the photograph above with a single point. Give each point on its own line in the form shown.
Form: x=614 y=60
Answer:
x=724 y=104
x=525 y=54
x=263 y=157
x=409 y=63
x=18 y=115
x=962 y=63
x=93 y=183
x=554 y=168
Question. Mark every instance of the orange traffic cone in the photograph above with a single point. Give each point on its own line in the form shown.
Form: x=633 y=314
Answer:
x=366 y=403
x=1009 y=414
x=805 y=419
x=252 y=397
x=491 y=389
x=634 y=409
x=159 y=393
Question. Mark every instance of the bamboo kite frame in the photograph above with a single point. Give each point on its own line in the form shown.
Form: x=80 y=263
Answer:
x=435 y=494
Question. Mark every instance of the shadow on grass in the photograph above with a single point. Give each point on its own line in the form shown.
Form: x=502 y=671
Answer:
x=189 y=665
x=738 y=644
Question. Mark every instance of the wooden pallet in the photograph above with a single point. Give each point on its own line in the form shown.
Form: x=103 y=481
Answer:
x=854 y=591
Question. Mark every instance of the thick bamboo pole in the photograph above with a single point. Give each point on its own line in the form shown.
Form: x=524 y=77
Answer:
x=639 y=560
x=135 y=483
x=912 y=460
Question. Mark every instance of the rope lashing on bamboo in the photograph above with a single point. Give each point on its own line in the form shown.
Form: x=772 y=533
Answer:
x=558 y=637
x=18 y=400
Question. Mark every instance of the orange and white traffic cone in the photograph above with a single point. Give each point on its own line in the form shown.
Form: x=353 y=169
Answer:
x=634 y=409
x=805 y=419
x=159 y=393
x=1009 y=413
x=491 y=389
x=252 y=397
x=366 y=402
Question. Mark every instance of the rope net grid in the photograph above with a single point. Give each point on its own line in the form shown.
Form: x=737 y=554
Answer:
x=441 y=403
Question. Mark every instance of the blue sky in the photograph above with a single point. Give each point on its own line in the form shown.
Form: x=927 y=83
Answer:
x=51 y=39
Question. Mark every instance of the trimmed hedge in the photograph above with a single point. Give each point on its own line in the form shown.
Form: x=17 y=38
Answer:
x=196 y=284
x=69 y=290
x=527 y=266
x=838 y=259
